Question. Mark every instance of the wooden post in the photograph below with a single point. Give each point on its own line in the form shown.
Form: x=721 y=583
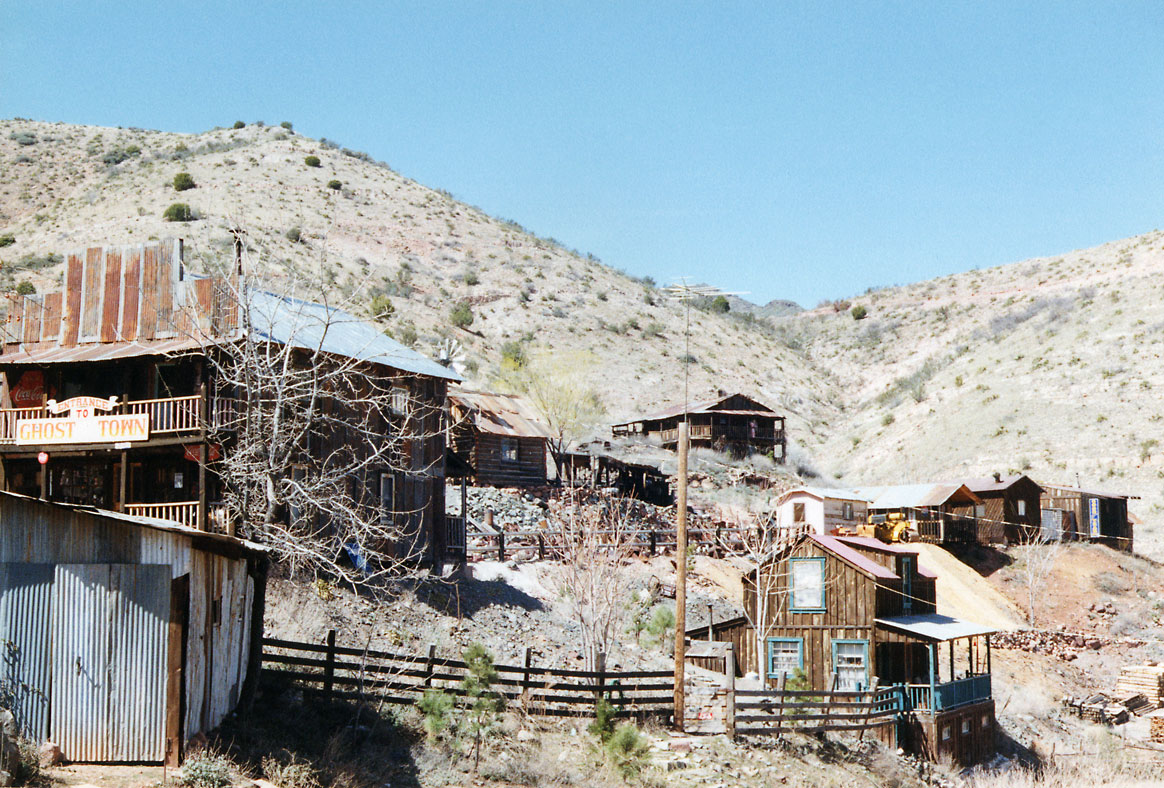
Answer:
x=329 y=668
x=44 y=482
x=501 y=545
x=681 y=578
x=600 y=679
x=541 y=547
x=653 y=537
x=872 y=698
x=124 y=486
x=710 y=620
x=729 y=669
x=525 y=680
x=203 y=458
x=828 y=709
x=429 y=661
x=933 y=649
x=489 y=519
x=780 y=706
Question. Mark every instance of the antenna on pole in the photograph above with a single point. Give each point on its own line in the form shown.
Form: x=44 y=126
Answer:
x=686 y=292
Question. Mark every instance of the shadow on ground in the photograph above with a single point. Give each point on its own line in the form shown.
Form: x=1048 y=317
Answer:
x=469 y=596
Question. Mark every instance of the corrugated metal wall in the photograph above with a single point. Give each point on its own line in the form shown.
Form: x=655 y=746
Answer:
x=26 y=595
x=217 y=646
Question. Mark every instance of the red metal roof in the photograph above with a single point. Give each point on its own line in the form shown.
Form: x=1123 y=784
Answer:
x=876 y=544
x=500 y=414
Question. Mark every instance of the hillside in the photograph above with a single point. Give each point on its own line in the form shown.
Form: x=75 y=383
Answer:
x=1048 y=366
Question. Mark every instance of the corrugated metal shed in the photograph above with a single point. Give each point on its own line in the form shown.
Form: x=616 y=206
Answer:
x=499 y=414
x=92 y=600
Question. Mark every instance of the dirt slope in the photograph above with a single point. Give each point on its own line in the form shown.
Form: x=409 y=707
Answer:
x=965 y=594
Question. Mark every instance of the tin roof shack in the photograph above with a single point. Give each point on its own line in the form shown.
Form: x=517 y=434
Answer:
x=126 y=636
x=112 y=382
x=847 y=609
x=1073 y=513
x=733 y=423
x=824 y=510
x=935 y=512
x=1009 y=511
x=500 y=436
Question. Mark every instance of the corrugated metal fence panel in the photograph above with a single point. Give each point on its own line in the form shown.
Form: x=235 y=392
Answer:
x=80 y=708
x=137 y=676
x=26 y=595
x=108 y=695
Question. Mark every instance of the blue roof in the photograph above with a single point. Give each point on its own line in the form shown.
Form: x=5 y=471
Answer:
x=312 y=326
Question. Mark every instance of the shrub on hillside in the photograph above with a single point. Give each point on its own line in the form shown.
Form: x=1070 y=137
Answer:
x=461 y=315
x=720 y=305
x=238 y=124
x=23 y=137
x=7 y=239
x=183 y=181
x=294 y=235
x=381 y=307
x=25 y=288
x=286 y=124
x=179 y=212
x=859 y=312
x=335 y=185
x=312 y=161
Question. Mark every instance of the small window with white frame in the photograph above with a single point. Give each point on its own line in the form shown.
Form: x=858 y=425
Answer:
x=785 y=655
x=806 y=578
x=400 y=400
x=1022 y=508
x=965 y=726
x=848 y=510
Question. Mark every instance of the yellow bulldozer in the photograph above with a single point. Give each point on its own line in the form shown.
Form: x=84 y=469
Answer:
x=892 y=527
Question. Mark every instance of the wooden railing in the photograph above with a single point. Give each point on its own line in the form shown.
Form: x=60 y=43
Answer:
x=950 y=694
x=184 y=512
x=168 y=415
x=358 y=673
x=773 y=711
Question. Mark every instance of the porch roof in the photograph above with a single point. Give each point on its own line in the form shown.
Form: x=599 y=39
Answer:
x=934 y=627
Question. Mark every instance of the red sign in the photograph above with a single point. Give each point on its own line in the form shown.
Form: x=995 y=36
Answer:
x=42 y=458
x=213 y=452
x=29 y=390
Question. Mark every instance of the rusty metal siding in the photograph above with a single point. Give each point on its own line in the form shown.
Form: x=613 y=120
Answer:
x=51 y=323
x=137 y=670
x=26 y=629
x=92 y=282
x=111 y=296
x=131 y=294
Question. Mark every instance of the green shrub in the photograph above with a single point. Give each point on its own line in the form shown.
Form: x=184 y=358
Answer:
x=461 y=315
x=294 y=235
x=628 y=750
x=335 y=185
x=720 y=305
x=437 y=707
x=513 y=355
x=238 y=124
x=206 y=770
x=653 y=329
x=471 y=278
x=287 y=125
x=178 y=212
x=23 y=137
x=25 y=288
x=381 y=307
x=859 y=312
x=887 y=419
x=183 y=181
x=7 y=239
x=661 y=627
x=602 y=726
x=481 y=718
x=311 y=161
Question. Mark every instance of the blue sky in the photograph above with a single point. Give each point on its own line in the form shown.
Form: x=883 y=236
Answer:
x=792 y=150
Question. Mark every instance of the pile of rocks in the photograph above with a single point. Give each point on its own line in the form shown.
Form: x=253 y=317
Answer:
x=1064 y=645
x=513 y=509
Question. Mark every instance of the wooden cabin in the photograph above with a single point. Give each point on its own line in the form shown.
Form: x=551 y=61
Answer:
x=824 y=510
x=733 y=423
x=1009 y=512
x=1075 y=514
x=845 y=610
x=936 y=513
x=500 y=436
x=109 y=396
x=125 y=636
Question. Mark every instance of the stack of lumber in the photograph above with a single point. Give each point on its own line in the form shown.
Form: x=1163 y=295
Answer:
x=1146 y=680
x=1137 y=704
x=1156 y=726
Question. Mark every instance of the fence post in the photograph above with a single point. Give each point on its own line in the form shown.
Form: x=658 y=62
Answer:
x=525 y=682
x=329 y=667
x=869 y=709
x=654 y=537
x=828 y=709
x=428 y=664
x=541 y=547
x=501 y=545
x=729 y=669
x=600 y=678
x=780 y=707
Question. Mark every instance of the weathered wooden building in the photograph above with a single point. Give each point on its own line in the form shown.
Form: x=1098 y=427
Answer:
x=936 y=513
x=1075 y=514
x=110 y=397
x=846 y=610
x=824 y=510
x=1009 y=512
x=124 y=636
x=733 y=423
x=499 y=435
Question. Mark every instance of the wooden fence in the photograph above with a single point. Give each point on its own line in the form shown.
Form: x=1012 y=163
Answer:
x=773 y=711
x=344 y=672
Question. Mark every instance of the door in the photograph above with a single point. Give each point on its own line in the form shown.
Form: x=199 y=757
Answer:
x=26 y=645
x=851 y=664
x=108 y=698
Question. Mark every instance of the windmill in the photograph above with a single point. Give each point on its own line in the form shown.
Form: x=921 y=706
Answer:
x=451 y=354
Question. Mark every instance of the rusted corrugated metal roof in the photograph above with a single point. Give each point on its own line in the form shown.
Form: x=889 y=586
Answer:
x=500 y=414
x=52 y=353
x=916 y=496
x=705 y=406
x=990 y=484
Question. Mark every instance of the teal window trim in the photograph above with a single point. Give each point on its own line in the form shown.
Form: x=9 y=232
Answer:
x=799 y=653
x=865 y=644
x=792 y=579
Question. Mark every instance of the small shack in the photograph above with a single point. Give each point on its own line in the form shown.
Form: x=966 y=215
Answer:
x=1076 y=514
x=124 y=636
x=824 y=510
x=936 y=513
x=1009 y=511
x=499 y=436
x=732 y=422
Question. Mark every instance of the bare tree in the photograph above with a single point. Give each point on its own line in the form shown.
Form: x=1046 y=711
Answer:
x=595 y=543
x=1036 y=561
x=328 y=449
x=558 y=386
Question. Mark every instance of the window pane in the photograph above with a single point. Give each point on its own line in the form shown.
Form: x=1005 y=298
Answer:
x=807 y=584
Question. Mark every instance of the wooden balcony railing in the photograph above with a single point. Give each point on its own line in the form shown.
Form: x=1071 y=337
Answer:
x=168 y=415
x=950 y=694
x=184 y=512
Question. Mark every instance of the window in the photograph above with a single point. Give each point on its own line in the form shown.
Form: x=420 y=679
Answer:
x=980 y=510
x=806 y=576
x=798 y=513
x=1022 y=508
x=965 y=726
x=848 y=510
x=785 y=655
x=985 y=720
x=946 y=731
x=851 y=664
x=907 y=584
x=509 y=450
x=387 y=498
x=400 y=400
